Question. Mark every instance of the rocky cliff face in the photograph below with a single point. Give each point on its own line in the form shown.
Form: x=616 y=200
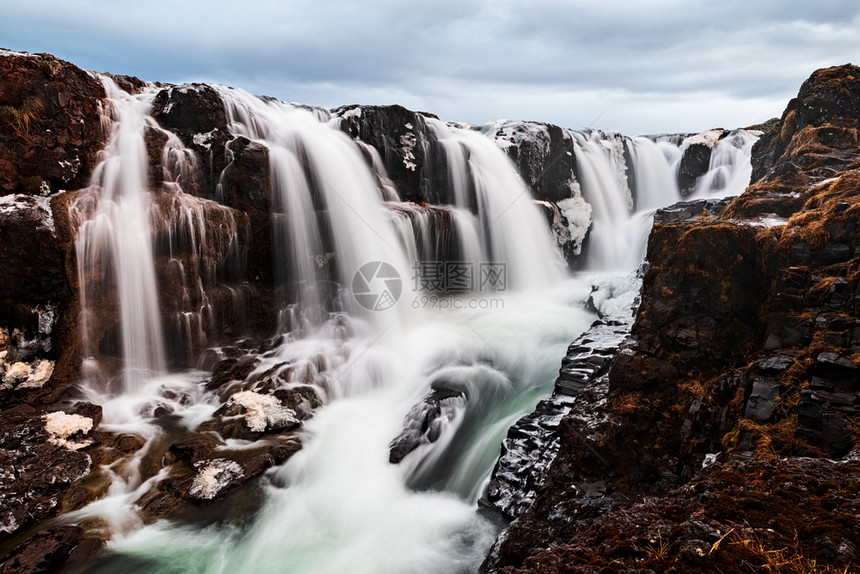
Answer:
x=743 y=359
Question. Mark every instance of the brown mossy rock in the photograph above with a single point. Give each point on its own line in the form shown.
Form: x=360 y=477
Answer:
x=792 y=515
x=815 y=139
x=699 y=296
x=50 y=123
x=823 y=120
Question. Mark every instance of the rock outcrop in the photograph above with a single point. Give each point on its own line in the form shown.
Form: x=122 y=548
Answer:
x=42 y=464
x=50 y=124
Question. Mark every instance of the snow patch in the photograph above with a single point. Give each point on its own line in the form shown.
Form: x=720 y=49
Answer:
x=61 y=426
x=4 y=52
x=353 y=113
x=707 y=138
x=408 y=142
x=203 y=140
x=17 y=372
x=264 y=411
x=39 y=375
x=615 y=295
x=9 y=204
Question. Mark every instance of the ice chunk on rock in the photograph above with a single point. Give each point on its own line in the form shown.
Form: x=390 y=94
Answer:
x=213 y=477
x=62 y=426
x=265 y=412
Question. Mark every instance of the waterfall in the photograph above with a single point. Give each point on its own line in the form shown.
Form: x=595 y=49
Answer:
x=655 y=185
x=729 y=169
x=115 y=236
x=326 y=202
x=514 y=232
x=146 y=252
x=435 y=375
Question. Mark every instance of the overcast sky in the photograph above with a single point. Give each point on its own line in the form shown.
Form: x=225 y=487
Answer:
x=639 y=66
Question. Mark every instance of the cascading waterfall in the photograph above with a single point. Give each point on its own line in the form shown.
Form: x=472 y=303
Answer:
x=655 y=185
x=114 y=235
x=133 y=243
x=512 y=225
x=485 y=357
x=623 y=207
x=729 y=169
x=325 y=200
x=609 y=204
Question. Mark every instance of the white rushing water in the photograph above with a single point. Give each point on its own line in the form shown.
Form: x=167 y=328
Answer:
x=491 y=351
x=117 y=221
x=114 y=233
x=339 y=505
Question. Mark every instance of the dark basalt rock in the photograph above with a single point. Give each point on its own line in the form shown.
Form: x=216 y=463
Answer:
x=532 y=443
x=423 y=424
x=412 y=157
x=687 y=211
x=694 y=164
x=51 y=550
x=544 y=156
x=34 y=473
x=33 y=281
x=190 y=109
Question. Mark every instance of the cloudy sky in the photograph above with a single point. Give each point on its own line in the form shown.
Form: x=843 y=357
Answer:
x=639 y=66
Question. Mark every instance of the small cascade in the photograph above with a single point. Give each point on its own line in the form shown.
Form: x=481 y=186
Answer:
x=484 y=182
x=114 y=243
x=328 y=216
x=600 y=180
x=606 y=186
x=442 y=233
x=205 y=257
x=655 y=185
x=730 y=169
x=386 y=186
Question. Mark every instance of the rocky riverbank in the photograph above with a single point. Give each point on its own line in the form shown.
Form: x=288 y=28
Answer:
x=729 y=436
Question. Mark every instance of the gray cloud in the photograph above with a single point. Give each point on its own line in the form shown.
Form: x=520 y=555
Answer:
x=646 y=66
